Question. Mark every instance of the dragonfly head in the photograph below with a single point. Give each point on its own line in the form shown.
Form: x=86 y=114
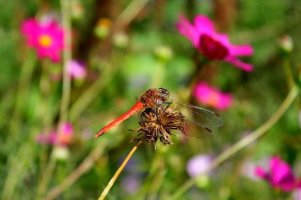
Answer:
x=164 y=93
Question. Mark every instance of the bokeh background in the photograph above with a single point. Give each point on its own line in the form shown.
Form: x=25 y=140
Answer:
x=123 y=48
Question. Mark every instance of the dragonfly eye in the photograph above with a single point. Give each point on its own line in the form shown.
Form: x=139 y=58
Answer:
x=164 y=92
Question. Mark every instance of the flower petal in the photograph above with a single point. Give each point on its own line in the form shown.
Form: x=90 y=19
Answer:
x=241 y=50
x=204 y=25
x=259 y=171
x=281 y=174
x=189 y=31
x=239 y=64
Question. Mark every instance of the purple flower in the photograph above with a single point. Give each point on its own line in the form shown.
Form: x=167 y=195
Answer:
x=46 y=37
x=213 y=45
x=130 y=183
x=279 y=175
x=76 y=70
x=198 y=165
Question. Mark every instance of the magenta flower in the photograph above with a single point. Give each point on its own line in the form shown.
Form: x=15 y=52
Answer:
x=211 y=96
x=213 y=45
x=279 y=175
x=62 y=137
x=45 y=37
x=76 y=70
x=198 y=165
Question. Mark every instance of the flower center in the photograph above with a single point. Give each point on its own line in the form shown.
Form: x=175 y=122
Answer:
x=45 y=40
x=213 y=99
x=212 y=49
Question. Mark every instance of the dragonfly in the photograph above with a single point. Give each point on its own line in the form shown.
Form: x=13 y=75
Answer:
x=158 y=99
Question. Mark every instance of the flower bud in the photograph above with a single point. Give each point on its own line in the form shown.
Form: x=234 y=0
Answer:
x=163 y=52
x=286 y=43
x=103 y=28
x=120 y=40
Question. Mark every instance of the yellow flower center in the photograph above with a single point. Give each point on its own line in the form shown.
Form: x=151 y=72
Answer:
x=45 y=40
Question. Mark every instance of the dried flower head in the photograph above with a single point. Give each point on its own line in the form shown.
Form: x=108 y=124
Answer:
x=157 y=123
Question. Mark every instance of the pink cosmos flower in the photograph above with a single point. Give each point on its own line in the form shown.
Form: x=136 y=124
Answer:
x=198 y=165
x=213 y=45
x=211 y=96
x=46 y=37
x=279 y=175
x=62 y=137
x=76 y=70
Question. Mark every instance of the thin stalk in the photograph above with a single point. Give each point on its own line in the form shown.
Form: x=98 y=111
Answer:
x=243 y=142
x=65 y=10
x=130 y=12
x=43 y=185
x=119 y=170
x=17 y=168
x=288 y=72
x=23 y=87
x=90 y=94
x=77 y=173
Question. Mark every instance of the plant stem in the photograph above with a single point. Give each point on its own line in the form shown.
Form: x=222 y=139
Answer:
x=90 y=94
x=23 y=88
x=77 y=173
x=243 y=142
x=130 y=12
x=117 y=173
x=65 y=10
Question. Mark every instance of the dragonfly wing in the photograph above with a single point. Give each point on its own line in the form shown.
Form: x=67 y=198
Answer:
x=207 y=119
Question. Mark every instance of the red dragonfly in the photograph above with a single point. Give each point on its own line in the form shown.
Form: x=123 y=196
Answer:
x=154 y=98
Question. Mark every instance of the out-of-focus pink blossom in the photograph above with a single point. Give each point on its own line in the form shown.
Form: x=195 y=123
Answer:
x=213 y=45
x=46 y=37
x=297 y=194
x=76 y=69
x=279 y=175
x=198 y=165
x=248 y=167
x=212 y=96
x=61 y=137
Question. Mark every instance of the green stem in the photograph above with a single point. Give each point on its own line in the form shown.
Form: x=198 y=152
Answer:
x=22 y=91
x=90 y=94
x=47 y=174
x=87 y=164
x=243 y=142
x=288 y=72
x=65 y=10
x=130 y=12
x=17 y=168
